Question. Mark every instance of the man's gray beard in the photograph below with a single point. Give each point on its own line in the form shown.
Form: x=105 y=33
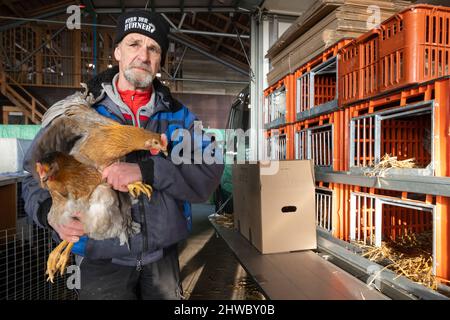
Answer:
x=141 y=84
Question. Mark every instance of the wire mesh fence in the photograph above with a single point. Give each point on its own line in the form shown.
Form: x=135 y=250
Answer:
x=23 y=257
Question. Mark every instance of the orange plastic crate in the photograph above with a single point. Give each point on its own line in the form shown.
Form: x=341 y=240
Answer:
x=314 y=139
x=415 y=46
x=416 y=136
x=412 y=46
x=287 y=112
x=325 y=85
x=350 y=64
x=396 y=221
x=279 y=143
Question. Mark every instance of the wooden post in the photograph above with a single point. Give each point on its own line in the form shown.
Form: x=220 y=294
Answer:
x=38 y=56
x=3 y=80
x=5 y=117
x=33 y=110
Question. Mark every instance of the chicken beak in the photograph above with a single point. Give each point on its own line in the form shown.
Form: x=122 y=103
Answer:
x=41 y=172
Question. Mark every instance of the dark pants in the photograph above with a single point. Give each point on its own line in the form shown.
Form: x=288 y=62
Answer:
x=103 y=280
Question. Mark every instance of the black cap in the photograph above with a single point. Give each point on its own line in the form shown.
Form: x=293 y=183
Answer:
x=149 y=24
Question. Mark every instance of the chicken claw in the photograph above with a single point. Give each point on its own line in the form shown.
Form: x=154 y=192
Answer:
x=135 y=189
x=64 y=259
x=53 y=260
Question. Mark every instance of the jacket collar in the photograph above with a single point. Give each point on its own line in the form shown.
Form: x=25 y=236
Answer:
x=104 y=84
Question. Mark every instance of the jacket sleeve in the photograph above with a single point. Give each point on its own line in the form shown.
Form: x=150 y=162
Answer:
x=193 y=179
x=37 y=200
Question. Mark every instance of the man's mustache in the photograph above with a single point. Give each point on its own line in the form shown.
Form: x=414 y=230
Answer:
x=141 y=66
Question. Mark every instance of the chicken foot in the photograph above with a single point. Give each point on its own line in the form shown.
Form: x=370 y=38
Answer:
x=136 y=188
x=64 y=259
x=56 y=256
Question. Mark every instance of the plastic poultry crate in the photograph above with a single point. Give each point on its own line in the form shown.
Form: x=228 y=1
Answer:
x=278 y=143
x=316 y=81
x=415 y=46
x=351 y=61
x=410 y=123
x=412 y=46
x=314 y=139
x=369 y=216
x=278 y=103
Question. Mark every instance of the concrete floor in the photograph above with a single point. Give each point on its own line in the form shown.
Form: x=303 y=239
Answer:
x=209 y=270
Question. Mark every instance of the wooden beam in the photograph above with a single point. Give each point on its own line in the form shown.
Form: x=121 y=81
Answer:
x=225 y=30
x=238 y=24
x=8 y=109
x=50 y=7
x=39 y=59
x=12 y=109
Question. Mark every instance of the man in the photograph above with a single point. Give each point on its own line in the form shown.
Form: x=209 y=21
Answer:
x=133 y=96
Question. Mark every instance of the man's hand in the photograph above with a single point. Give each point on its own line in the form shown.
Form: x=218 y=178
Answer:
x=71 y=231
x=120 y=175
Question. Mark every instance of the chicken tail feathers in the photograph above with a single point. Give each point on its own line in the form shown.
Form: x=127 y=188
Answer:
x=76 y=107
x=63 y=106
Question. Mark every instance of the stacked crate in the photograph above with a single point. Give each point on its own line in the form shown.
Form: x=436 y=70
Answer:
x=309 y=92
x=411 y=47
x=391 y=95
x=278 y=114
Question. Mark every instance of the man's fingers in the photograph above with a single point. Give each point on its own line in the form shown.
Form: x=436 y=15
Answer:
x=119 y=175
x=70 y=238
x=75 y=224
x=106 y=171
x=73 y=228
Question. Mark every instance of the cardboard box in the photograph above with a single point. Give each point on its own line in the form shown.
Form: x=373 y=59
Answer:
x=276 y=213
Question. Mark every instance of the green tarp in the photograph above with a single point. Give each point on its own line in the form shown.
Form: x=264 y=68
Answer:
x=226 y=182
x=27 y=132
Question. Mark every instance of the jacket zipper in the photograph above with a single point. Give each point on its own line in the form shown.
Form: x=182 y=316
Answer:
x=143 y=219
x=144 y=233
x=135 y=117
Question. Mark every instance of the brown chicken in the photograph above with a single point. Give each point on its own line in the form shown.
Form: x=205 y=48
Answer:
x=76 y=145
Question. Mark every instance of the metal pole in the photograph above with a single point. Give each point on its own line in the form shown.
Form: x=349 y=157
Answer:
x=179 y=63
x=20 y=21
x=182 y=20
x=208 y=33
x=52 y=21
x=176 y=10
x=169 y=21
x=207 y=54
x=243 y=48
x=210 y=80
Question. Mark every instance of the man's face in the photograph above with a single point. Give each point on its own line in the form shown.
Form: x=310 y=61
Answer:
x=139 y=59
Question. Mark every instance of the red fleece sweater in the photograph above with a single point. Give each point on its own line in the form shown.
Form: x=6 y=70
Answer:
x=134 y=100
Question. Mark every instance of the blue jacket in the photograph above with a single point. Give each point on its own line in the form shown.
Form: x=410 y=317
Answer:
x=166 y=218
